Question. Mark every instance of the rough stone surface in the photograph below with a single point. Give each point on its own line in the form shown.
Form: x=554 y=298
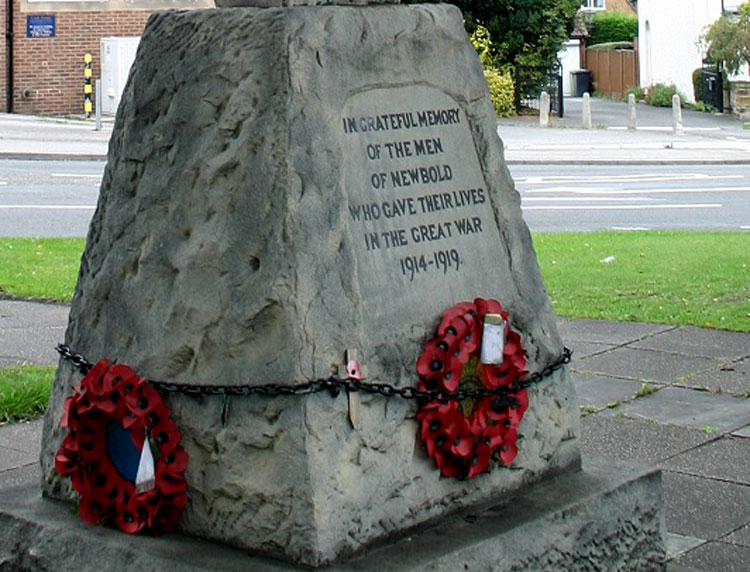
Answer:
x=608 y=517
x=226 y=249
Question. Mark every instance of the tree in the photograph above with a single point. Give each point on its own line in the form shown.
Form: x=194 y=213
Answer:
x=527 y=34
x=728 y=39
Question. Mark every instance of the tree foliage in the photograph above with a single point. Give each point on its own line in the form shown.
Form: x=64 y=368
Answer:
x=728 y=39
x=499 y=81
x=525 y=33
x=609 y=27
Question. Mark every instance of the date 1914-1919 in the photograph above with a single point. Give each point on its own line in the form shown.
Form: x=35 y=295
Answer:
x=439 y=260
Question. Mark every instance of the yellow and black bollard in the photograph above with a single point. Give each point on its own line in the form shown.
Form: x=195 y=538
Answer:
x=87 y=90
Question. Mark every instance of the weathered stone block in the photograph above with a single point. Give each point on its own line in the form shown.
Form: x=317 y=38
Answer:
x=231 y=245
x=608 y=517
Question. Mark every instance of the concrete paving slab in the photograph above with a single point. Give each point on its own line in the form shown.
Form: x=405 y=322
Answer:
x=17 y=314
x=731 y=377
x=678 y=544
x=26 y=437
x=30 y=331
x=717 y=557
x=28 y=475
x=698 y=342
x=671 y=567
x=601 y=391
x=647 y=365
x=32 y=345
x=740 y=536
x=635 y=440
x=689 y=408
x=727 y=458
x=606 y=332
x=12 y=459
x=704 y=508
x=585 y=349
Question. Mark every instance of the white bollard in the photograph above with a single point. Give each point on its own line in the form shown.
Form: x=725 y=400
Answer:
x=586 y=111
x=544 y=105
x=631 y=112
x=676 y=115
x=98 y=105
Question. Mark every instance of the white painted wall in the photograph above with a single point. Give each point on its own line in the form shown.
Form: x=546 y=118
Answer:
x=669 y=40
x=570 y=58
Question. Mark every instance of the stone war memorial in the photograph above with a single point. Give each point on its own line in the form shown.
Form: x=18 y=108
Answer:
x=327 y=340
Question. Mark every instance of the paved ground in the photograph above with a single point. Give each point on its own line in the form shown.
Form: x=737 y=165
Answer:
x=676 y=398
x=708 y=138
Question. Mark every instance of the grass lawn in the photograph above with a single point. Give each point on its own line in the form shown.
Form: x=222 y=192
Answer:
x=695 y=278
x=682 y=278
x=43 y=269
x=24 y=392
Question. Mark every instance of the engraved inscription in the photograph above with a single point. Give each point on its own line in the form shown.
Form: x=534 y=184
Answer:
x=418 y=206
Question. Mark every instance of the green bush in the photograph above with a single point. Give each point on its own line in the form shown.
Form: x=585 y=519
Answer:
x=660 y=95
x=613 y=27
x=698 y=84
x=637 y=91
x=501 y=92
x=608 y=46
x=500 y=82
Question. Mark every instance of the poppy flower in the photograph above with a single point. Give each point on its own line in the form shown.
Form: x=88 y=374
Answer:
x=463 y=438
x=113 y=407
x=517 y=406
x=480 y=460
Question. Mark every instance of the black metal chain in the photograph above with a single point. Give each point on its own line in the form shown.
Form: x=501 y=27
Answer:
x=335 y=384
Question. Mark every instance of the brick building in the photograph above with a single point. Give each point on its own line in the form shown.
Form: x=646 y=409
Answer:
x=43 y=44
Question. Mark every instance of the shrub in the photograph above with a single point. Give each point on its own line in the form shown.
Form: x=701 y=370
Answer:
x=502 y=92
x=660 y=95
x=698 y=84
x=637 y=91
x=482 y=43
x=613 y=27
x=502 y=87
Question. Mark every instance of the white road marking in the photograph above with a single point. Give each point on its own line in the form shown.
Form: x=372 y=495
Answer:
x=3 y=182
x=50 y=207
x=583 y=199
x=621 y=207
x=745 y=227
x=667 y=129
x=629 y=228
x=602 y=191
x=77 y=175
x=636 y=178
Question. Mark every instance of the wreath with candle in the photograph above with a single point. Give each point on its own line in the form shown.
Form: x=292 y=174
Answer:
x=122 y=452
x=474 y=348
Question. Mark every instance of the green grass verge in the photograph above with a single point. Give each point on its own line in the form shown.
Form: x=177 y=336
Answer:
x=683 y=278
x=44 y=269
x=24 y=392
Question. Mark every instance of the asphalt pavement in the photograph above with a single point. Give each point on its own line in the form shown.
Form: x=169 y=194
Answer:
x=677 y=398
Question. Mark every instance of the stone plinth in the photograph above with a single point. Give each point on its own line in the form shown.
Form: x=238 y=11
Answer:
x=284 y=184
x=608 y=517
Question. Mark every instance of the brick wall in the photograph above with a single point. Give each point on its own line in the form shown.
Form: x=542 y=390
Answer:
x=48 y=72
x=3 y=55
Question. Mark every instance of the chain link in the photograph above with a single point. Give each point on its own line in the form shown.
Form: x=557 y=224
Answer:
x=334 y=385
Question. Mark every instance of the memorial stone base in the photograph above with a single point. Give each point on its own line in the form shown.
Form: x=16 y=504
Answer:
x=607 y=517
x=285 y=185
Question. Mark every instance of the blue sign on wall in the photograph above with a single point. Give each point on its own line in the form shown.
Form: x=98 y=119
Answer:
x=40 y=26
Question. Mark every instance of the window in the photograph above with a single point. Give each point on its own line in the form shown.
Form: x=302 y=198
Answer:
x=592 y=5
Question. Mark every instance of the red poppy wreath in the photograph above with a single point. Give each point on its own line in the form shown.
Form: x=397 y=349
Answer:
x=115 y=420
x=465 y=437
